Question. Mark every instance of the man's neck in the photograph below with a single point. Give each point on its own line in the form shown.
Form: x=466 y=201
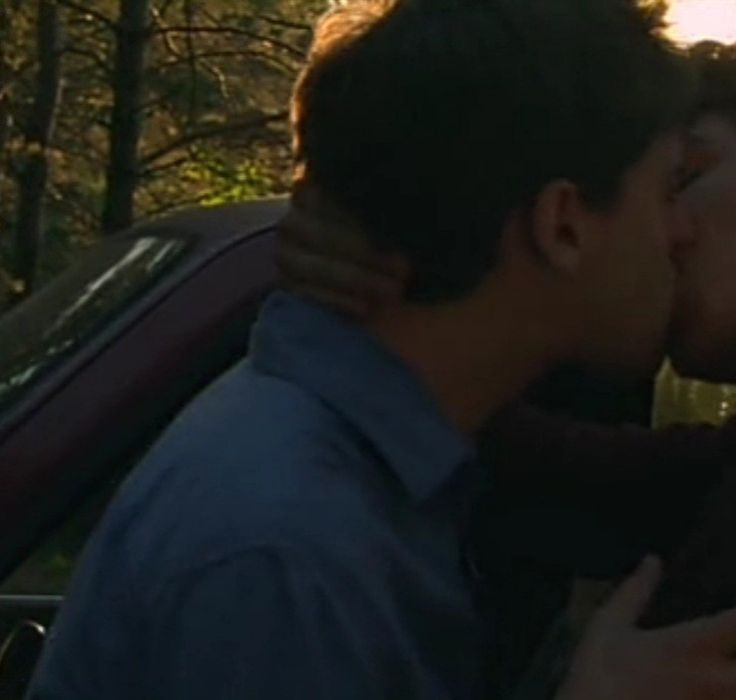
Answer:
x=473 y=363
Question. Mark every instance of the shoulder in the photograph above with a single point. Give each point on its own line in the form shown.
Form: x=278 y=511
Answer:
x=254 y=461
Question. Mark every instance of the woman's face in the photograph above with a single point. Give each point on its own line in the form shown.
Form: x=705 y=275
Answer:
x=704 y=327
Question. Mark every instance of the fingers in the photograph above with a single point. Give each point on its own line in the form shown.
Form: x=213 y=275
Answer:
x=715 y=633
x=299 y=266
x=355 y=307
x=315 y=233
x=315 y=223
x=628 y=602
x=324 y=256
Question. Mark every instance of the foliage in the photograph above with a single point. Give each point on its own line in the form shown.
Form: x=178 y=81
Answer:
x=217 y=75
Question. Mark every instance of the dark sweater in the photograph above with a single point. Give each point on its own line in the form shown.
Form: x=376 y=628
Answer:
x=575 y=499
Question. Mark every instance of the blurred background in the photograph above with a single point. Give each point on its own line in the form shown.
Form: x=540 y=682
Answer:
x=117 y=110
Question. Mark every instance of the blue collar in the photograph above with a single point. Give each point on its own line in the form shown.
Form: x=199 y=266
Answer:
x=348 y=369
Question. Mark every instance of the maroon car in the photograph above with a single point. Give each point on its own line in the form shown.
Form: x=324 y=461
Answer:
x=92 y=368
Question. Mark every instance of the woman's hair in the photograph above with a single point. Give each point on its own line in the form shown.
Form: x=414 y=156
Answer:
x=716 y=67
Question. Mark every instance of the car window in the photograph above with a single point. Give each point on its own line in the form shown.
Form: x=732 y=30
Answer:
x=57 y=320
x=48 y=567
x=689 y=401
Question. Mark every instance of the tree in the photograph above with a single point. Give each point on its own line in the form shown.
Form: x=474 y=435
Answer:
x=33 y=173
x=166 y=103
x=132 y=32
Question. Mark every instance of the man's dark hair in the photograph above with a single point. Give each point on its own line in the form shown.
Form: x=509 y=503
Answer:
x=430 y=121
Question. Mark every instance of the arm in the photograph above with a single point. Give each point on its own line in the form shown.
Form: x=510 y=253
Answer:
x=577 y=499
x=628 y=484
x=700 y=578
x=532 y=447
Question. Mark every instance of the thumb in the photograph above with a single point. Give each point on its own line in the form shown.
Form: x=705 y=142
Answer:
x=629 y=600
x=712 y=633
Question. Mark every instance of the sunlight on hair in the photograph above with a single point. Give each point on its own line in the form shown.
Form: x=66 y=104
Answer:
x=696 y=20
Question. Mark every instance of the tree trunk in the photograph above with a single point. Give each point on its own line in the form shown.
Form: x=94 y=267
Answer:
x=5 y=73
x=38 y=131
x=133 y=33
x=5 y=123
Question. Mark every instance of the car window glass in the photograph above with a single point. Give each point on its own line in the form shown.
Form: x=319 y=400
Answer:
x=56 y=321
x=689 y=401
x=49 y=567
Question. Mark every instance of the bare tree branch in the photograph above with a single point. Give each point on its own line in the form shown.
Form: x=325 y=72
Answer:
x=88 y=154
x=191 y=62
x=86 y=10
x=235 y=31
x=219 y=76
x=280 y=22
x=167 y=205
x=190 y=58
x=76 y=50
x=168 y=42
x=68 y=199
x=212 y=132
x=272 y=59
x=148 y=173
x=232 y=53
x=269 y=19
x=160 y=99
x=14 y=76
x=164 y=8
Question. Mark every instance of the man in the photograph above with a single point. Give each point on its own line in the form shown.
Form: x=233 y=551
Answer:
x=299 y=531
x=572 y=497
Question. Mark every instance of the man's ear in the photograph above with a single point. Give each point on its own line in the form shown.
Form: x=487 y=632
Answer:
x=557 y=222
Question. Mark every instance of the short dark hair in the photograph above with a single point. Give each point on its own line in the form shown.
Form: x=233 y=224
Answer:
x=431 y=121
x=716 y=67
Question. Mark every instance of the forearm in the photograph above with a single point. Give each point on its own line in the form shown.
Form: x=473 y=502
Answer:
x=532 y=451
x=604 y=490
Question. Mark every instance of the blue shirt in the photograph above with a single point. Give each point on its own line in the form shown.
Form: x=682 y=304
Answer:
x=294 y=534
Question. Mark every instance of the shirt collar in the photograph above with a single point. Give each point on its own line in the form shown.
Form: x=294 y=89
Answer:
x=336 y=359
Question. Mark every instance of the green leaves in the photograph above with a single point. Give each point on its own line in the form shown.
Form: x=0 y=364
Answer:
x=215 y=98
